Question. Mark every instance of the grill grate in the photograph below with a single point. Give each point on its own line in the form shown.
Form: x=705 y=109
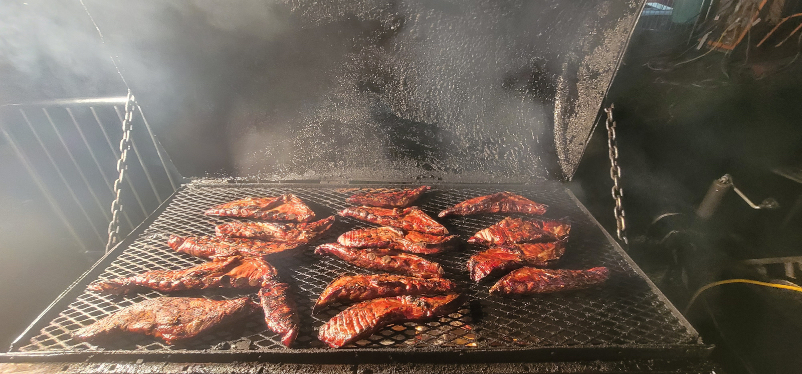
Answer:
x=625 y=311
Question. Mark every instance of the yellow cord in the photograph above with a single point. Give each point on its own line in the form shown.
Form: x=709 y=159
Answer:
x=728 y=281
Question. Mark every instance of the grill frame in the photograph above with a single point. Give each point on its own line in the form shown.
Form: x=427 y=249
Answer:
x=692 y=348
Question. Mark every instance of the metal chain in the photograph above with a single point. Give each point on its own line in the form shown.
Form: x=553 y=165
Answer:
x=615 y=175
x=122 y=166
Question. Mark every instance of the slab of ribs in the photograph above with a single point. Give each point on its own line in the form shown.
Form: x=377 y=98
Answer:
x=512 y=256
x=394 y=238
x=353 y=288
x=224 y=272
x=171 y=319
x=409 y=219
x=363 y=319
x=529 y=280
x=280 y=314
x=212 y=246
x=275 y=232
x=389 y=199
x=501 y=202
x=286 y=207
x=383 y=259
x=516 y=230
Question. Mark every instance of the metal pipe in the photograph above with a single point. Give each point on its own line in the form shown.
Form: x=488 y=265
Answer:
x=713 y=198
x=141 y=163
x=73 y=102
x=75 y=163
x=117 y=155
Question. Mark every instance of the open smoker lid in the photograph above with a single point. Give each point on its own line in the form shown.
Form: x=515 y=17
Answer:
x=477 y=90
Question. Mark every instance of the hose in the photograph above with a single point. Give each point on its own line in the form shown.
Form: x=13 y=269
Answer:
x=729 y=281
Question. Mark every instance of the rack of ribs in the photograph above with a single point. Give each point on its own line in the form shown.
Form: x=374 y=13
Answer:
x=529 y=280
x=363 y=319
x=280 y=314
x=209 y=246
x=516 y=230
x=388 y=199
x=223 y=272
x=353 y=288
x=409 y=219
x=286 y=207
x=394 y=238
x=501 y=202
x=275 y=232
x=504 y=258
x=171 y=319
x=383 y=259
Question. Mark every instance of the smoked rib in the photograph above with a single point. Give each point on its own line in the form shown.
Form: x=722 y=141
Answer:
x=353 y=288
x=409 y=219
x=388 y=199
x=394 y=238
x=529 y=280
x=275 y=232
x=209 y=246
x=504 y=258
x=383 y=259
x=516 y=230
x=286 y=207
x=363 y=319
x=171 y=319
x=501 y=202
x=280 y=311
x=224 y=272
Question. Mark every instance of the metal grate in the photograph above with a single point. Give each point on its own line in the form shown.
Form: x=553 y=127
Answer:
x=625 y=311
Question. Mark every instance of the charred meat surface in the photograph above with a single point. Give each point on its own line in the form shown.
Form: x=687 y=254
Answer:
x=170 y=318
x=383 y=259
x=275 y=232
x=388 y=199
x=515 y=230
x=410 y=219
x=286 y=207
x=209 y=246
x=501 y=202
x=390 y=237
x=280 y=311
x=363 y=319
x=509 y=257
x=223 y=272
x=529 y=280
x=353 y=288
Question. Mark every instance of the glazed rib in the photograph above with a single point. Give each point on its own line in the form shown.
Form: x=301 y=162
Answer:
x=502 y=202
x=516 y=230
x=389 y=199
x=409 y=219
x=509 y=257
x=276 y=232
x=390 y=237
x=286 y=207
x=169 y=318
x=280 y=314
x=528 y=280
x=383 y=259
x=208 y=246
x=224 y=272
x=353 y=288
x=363 y=319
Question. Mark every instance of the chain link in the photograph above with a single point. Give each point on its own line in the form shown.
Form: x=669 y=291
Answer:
x=615 y=175
x=122 y=167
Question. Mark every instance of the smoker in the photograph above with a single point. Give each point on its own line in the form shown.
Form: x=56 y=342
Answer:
x=321 y=99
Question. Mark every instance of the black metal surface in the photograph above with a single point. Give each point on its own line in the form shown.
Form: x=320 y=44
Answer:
x=624 y=317
x=469 y=91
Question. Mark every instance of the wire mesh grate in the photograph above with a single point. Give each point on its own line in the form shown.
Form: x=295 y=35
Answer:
x=624 y=311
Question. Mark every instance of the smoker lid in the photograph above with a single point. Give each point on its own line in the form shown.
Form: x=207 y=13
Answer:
x=474 y=90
